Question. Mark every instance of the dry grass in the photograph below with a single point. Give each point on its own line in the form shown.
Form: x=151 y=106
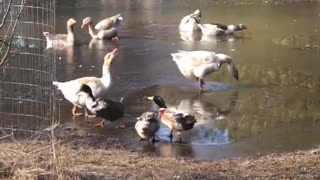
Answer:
x=35 y=160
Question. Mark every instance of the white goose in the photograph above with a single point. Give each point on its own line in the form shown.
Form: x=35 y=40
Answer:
x=189 y=23
x=216 y=29
x=61 y=40
x=198 y=64
x=106 y=29
x=98 y=85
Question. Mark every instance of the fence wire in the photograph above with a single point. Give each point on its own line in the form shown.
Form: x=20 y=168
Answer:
x=28 y=102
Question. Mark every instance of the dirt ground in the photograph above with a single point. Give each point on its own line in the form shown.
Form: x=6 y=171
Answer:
x=78 y=158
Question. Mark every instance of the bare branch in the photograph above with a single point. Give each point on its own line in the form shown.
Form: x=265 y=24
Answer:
x=4 y=42
x=12 y=33
x=6 y=14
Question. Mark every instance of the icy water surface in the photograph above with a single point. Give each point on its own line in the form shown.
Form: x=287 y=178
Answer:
x=274 y=107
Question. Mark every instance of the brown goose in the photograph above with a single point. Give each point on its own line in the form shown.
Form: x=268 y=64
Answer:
x=61 y=40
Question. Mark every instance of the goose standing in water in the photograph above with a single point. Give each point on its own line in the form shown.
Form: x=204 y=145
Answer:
x=147 y=126
x=198 y=64
x=98 y=85
x=61 y=40
x=101 y=107
x=106 y=29
x=175 y=120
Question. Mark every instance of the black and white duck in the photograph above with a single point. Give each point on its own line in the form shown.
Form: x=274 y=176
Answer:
x=101 y=107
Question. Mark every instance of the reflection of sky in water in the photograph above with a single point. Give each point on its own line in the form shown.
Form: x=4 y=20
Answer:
x=210 y=136
x=205 y=131
x=202 y=134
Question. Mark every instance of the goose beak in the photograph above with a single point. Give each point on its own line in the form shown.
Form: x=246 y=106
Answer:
x=115 y=52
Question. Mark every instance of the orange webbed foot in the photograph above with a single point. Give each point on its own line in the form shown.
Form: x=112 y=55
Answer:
x=121 y=126
x=100 y=125
x=116 y=38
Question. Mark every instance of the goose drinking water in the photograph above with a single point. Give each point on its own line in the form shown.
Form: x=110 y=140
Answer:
x=198 y=64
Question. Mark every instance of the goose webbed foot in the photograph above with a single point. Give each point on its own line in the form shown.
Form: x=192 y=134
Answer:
x=87 y=115
x=116 y=38
x=74 y=111
x=100 y=125
x=121 y=126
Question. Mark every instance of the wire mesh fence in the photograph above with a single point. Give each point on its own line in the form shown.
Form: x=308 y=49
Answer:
x=27 y=100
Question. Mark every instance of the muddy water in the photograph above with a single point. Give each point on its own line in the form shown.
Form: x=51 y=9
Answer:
x=273 y=108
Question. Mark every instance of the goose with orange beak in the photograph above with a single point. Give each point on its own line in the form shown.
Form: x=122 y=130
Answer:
x=106 y=29
x=59 y=41
x=98 y=85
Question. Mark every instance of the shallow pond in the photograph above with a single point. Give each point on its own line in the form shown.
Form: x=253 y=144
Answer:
x=274 y=107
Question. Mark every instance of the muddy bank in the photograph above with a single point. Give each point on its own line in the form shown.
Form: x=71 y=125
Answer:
x=77 y=159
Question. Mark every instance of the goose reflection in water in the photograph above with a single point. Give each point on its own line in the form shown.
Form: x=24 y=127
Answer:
x=211 y=127
x=191 y=36
x=97 y=44
x=198 y=36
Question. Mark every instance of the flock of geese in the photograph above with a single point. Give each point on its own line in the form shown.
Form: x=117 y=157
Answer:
x=87 y=92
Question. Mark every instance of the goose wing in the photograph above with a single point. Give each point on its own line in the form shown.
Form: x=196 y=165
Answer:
x=220 y=26
x=212 y=29
x=55 y=36
x=194 y=58
x=108 y=23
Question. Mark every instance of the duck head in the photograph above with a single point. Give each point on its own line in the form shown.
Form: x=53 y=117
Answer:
x=158 y=100
x=86 y=21
x=71 y=22
x=108 y=58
